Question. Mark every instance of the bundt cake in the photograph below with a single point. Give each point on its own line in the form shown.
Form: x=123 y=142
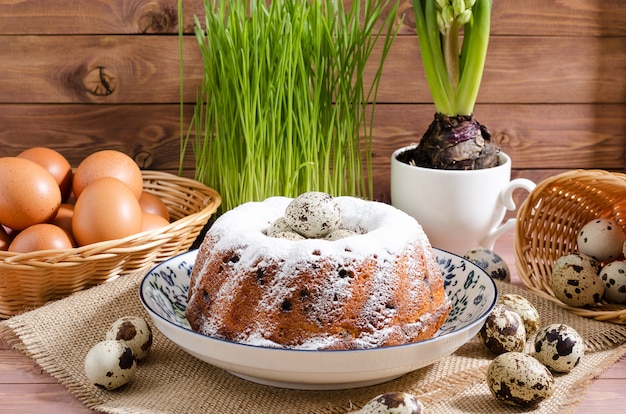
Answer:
x=370 y=279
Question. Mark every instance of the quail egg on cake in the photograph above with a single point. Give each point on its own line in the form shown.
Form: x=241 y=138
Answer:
x=503 y=330
x=613 y=276
x=516 y=378
x=313 y=214
x=490 y=262
x=289 y=235
x=109 y=364
x=559 y=347
x=278 y=226
x=340 y=234
x=601 y=239
x=575 y=280
x=393 y=403
x=525 y=309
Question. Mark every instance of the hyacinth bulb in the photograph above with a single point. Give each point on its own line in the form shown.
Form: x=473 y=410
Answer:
x=454 y=143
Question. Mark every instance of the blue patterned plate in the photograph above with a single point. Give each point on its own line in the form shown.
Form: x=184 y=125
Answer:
x=163 y=292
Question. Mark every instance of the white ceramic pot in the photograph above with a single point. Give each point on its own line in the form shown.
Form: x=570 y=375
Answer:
x=458 y=210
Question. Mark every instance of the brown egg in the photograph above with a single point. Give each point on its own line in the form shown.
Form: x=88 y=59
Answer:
x=108 y=163
x=44 y=236
x=64 y=216
x=28 y=193
x=55 y=163
x=153 y=221
x=106 y=210
x=5 y=239
x=152 y=204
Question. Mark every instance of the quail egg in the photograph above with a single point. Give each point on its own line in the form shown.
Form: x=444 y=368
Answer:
x=525 y=309
x=601 y=239
x=490 y=262
x=559 y=347
x=279 y=225
x=577 y=259
x=503 y=330
x=109 y=364
x=613 y=276
x=575 y=280
x=313 y=214
x=340 y=234
x=289 y=235
x=134 y=332
x=393 y=403
x=516 y=378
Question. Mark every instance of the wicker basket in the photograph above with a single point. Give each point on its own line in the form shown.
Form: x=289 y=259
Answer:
x=28 y=280
x=548 y=222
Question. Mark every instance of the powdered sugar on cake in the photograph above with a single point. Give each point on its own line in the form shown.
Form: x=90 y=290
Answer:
x=384 y=234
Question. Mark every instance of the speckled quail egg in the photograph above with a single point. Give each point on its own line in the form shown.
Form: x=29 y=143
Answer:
x=601 y=239
x=577 y=259
x=393 y=403
x=559 y=347
x=575 y=280
x=281 y=230
x=109 y=364
x=340 y=234
x=516 y=378
x=503 y=330
x=490 y=262
x=134 y=332
x=289 y=235
x=277 y=226
x=525 y=309
x=313 y=214
x=613 y=276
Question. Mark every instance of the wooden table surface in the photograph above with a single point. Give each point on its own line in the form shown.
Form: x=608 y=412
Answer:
x=25 y=388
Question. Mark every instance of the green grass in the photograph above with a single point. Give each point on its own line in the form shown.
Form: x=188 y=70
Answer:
x=284 y=106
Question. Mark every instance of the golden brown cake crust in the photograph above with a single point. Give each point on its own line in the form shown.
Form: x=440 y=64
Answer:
x=318 y=294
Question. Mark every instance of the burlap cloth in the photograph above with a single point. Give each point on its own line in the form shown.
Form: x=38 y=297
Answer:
x=58 y=336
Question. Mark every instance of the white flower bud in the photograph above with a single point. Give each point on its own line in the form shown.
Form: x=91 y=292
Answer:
x=458 y=6
x=469 y=3
x=441 y=24
x=448 y=15
x=441 y=4
x=464 y=17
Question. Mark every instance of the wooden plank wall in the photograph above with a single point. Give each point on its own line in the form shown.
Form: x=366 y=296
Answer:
x=84 y=75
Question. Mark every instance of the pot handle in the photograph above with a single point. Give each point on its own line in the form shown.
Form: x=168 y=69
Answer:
x=506 y=199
